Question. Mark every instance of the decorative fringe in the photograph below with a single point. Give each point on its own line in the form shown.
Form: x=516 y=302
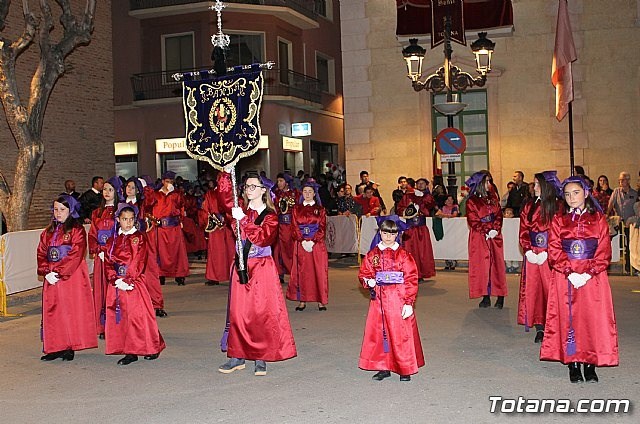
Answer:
x=103 y=317
x=118 y=314
x=571 y=343
x=225 y=337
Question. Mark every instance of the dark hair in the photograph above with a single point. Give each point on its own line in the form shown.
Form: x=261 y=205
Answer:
x=480 y=189
x=423 y=179
x=520 y=173
x=388 y=226
x=280 y=175
x=548 y=200
x=510 y=183
x=400 y=178
x=455 y=201
x=438 y=180
x=589 y=201
x=578 y=170
x=397 y=195
x=95 y=179
x=363 y=173
x=598 y=188
x=69 y=224
x=411 y=182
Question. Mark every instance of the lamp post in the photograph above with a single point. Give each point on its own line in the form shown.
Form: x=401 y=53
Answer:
x=449 y=77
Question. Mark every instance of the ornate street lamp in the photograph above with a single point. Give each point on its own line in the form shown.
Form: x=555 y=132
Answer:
x=449 y=77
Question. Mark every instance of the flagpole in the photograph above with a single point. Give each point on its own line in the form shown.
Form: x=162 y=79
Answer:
x=571 y=157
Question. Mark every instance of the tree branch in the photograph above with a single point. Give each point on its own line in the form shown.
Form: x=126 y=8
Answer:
x=30 y=25
x=4 y=187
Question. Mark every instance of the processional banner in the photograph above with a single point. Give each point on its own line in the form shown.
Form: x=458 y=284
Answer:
x=222 y=116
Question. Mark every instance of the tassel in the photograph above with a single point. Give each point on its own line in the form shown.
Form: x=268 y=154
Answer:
x=225 y=338
x=118 y=315
x=372 y=293
x=571 y=343
x=526 y=327
x=103 y=317
x=385 y=341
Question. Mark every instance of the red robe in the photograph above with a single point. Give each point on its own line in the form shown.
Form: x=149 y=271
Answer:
x=193 y=233
x=152 y=269
x=101 y=223
x=220 y=244
x=68 y=316
x=487 y=274
x=283 y=252
x=416 y=239
x=259 y=323
x=169 y=241
x=534 y=280
x=310 y=271
x=405 y=349
x=137 y=332
x=594 y=322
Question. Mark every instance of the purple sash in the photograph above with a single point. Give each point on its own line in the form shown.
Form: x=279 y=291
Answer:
x=103 y=236
x=384 y=278
x=308 y=230
x=416 y=221
x=285 y=218
x=539 y=239
x=170 y=221
x=489 y=218
x=56 y=253
x=121 y=270
x=259 y=252
x=580 y=249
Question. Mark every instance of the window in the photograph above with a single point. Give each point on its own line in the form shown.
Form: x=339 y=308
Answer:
x=126 y=153
x=245 y=49
x=325 y=72
x=178 y=52
x=324 y=8
x=473 y=122
x=284 y=60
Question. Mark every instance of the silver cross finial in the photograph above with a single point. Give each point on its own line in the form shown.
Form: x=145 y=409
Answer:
x=220 y=39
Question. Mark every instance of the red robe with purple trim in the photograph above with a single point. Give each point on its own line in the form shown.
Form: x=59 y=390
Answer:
x=594 y=322
x=169 y=241
x=417 y=240
x=405 y=349
x=100 y=221
x=487 y=274
x=137 y=332
x=220 y=244
x=283 y=249
x=259 y=322
x=68 y=316
x=310 y=271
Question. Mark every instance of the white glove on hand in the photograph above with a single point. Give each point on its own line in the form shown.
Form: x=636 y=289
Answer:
x=586 y=277
x=418 y=193
x=52 y=278
x=307 y=245
x=237 y=213
x=101 y=256
x=228 y=169
x=577 y=280
x=542 y=257
x=371 y=282
x=122 y=285
x=407 y=311
x=492 y=233
x=531 y=257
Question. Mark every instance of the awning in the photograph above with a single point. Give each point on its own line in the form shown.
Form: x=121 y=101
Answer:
x=414 y=16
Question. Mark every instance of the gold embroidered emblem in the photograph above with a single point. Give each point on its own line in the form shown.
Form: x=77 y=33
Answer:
x=66 y=237
x=376 y=260
x=135 y=241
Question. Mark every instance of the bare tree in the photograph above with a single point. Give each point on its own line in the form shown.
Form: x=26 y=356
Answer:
x=25 y=118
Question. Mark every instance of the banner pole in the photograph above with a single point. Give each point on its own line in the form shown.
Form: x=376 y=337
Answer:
x=571 y=157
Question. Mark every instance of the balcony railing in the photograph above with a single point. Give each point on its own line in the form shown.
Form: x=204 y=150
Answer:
x=308 y=8
x=277 y=82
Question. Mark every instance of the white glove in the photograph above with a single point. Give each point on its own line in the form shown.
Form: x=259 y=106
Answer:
x=542 y=257
x=577 y=280
x=531 y=257
x=52 y=277
x=586 y=277
x=307 y=245
x=418 y=193
x=407 y=311
x=237 y=213
x=492 y=233
x=122 y=285
x=371 y=282
x=101 y=256
x=228 y=169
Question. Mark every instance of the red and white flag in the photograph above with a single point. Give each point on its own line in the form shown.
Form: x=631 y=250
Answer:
x=564 y=53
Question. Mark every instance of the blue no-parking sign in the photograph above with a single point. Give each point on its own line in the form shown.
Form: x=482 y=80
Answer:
x=450 y=141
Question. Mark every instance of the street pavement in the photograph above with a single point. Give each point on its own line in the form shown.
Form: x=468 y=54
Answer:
x=471 y=354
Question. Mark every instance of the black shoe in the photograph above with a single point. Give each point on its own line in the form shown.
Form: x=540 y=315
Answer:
x=67 y=355
x=447 y=268
x=322 y=308
x=405 y=378
x=539 y=336
x=51 y=356
x=301 y=308
x=180 y=281
x=128 y=359
x=162 y=281
x=151 y=357
x=499 y=302
x=590 y=375
x=161 y=313
x=101 y=336
x=381 y=375
x=281 y=279
x=575 y=375
x=212 y=283
x=485 y=303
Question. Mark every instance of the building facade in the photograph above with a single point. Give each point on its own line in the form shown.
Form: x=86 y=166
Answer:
x=155 y=38
x=389 y=127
